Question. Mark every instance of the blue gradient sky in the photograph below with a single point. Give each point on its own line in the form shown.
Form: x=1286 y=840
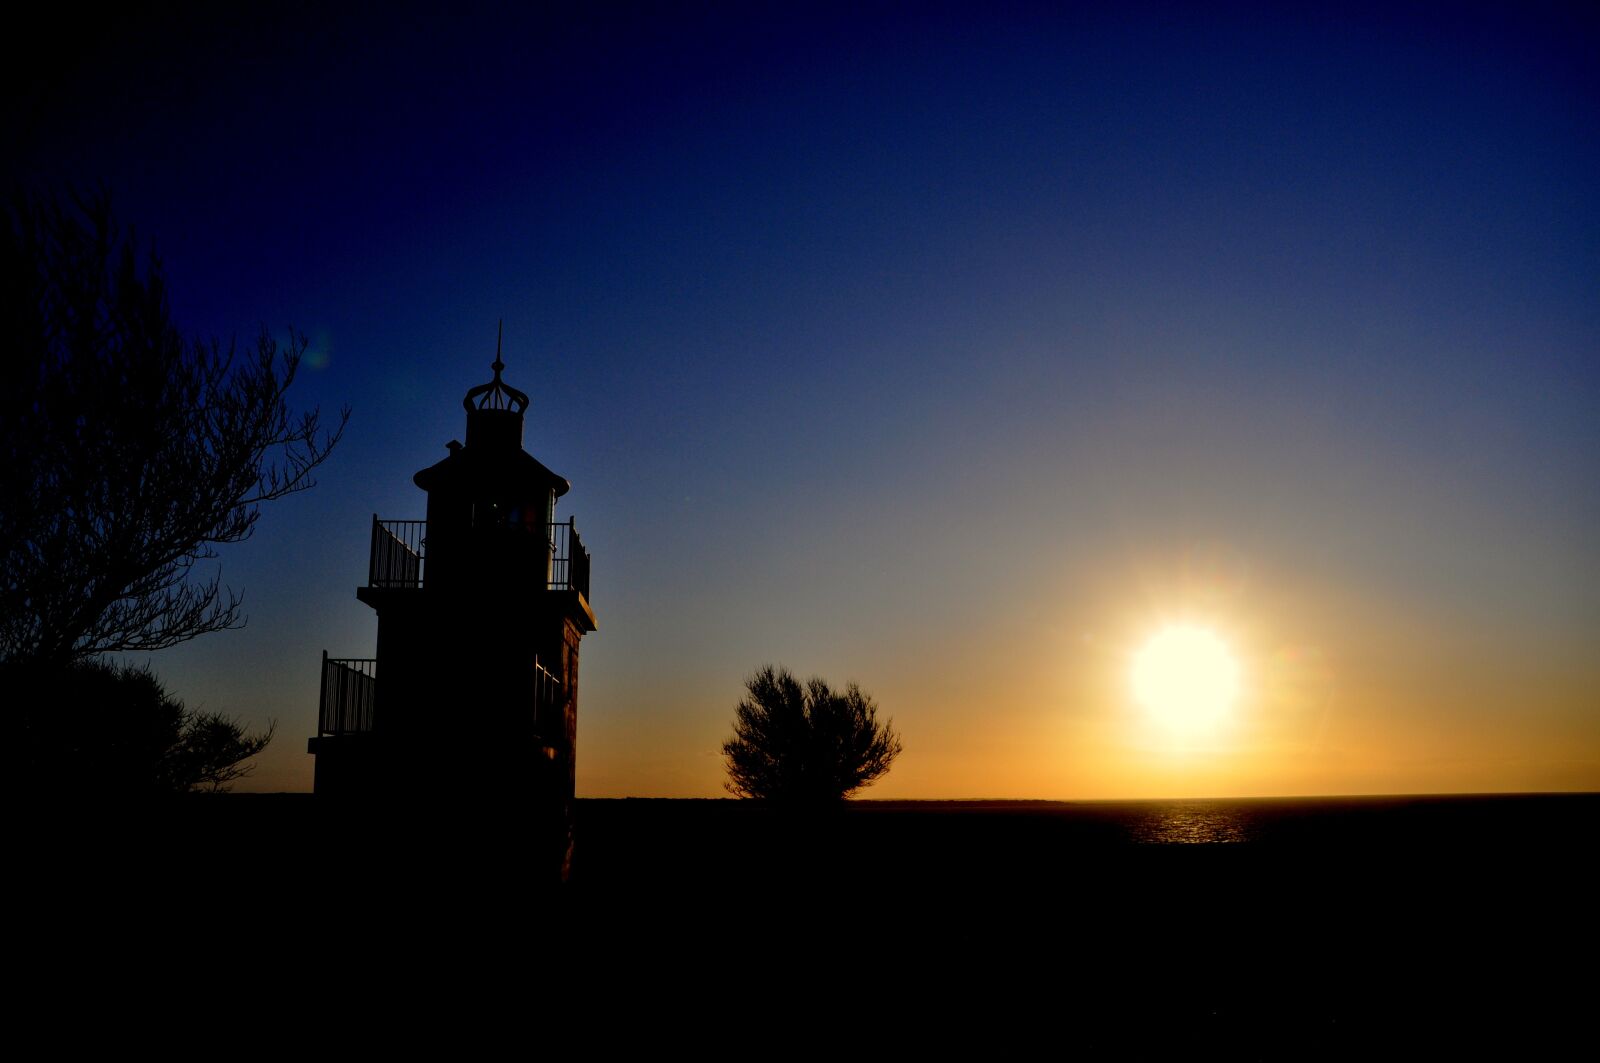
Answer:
x=952 y=353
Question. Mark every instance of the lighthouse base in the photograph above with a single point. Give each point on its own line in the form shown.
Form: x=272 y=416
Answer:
x=515 y=811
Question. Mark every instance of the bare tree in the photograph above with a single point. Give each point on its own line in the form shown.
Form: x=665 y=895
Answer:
x=128 y=451
x=806 y=744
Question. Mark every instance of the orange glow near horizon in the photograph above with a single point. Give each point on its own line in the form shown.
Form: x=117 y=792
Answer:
x=1317 y=686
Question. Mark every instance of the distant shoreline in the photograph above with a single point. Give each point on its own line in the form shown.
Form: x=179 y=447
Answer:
x=914 y=802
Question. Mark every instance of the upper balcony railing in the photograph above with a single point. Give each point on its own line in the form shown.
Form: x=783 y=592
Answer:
x=400 y=552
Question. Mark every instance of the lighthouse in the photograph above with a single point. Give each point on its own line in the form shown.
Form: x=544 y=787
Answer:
x=472 y=696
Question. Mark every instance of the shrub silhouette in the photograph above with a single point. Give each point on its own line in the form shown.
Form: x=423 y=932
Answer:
x=96 y=729
x=795 y=744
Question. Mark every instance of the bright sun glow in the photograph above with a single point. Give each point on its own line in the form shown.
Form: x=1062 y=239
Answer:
x=1186 y=678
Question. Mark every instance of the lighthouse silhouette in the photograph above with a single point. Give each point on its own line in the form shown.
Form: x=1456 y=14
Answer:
x=473 y=694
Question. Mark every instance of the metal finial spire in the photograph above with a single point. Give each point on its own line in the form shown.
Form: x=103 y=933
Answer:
x=497 y=394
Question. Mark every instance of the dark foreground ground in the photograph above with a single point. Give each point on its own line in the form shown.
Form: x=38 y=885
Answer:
x=1389 y=927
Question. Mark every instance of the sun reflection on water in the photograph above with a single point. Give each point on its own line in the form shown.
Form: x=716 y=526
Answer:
x=1193 y=823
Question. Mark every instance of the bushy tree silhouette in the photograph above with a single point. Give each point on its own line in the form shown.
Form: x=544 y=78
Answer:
x=93 y=728
x=795 y=744
x=127 y=451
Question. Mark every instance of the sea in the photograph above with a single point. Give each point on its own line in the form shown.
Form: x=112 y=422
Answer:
x=1351 y=928
x=883 y=835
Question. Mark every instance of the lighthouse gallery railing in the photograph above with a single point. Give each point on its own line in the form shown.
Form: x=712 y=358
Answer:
x=349 y=697
x=399 y=555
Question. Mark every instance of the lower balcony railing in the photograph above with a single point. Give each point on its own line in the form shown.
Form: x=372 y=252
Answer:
x=349 y=695
x=547 y=702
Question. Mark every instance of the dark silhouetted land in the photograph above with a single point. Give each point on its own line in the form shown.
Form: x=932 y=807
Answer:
x=1284 y=928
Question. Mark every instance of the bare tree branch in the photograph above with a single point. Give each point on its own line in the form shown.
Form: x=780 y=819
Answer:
x=127 y=452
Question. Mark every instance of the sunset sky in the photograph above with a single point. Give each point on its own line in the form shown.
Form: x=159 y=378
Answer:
x=955 y=354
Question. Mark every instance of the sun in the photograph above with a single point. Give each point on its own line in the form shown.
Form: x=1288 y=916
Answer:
x=1186 y=678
